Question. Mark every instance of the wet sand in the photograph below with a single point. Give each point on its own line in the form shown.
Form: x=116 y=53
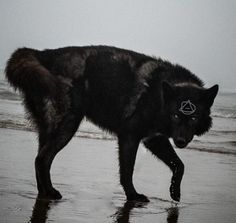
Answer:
x=86 y=173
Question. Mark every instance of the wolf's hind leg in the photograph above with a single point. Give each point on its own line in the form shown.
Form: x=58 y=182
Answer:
x=160 y=146
x=49 y=145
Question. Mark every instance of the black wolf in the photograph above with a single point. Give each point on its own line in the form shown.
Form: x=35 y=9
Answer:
x=131 y=95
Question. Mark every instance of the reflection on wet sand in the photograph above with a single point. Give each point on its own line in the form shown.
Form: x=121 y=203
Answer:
x=122 y=215
x=172 y=215
x=40 y=211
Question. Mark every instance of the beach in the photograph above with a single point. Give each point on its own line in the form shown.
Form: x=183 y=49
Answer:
x=86 y=173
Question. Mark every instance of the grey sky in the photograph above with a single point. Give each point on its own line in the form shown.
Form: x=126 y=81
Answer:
x=198 y=34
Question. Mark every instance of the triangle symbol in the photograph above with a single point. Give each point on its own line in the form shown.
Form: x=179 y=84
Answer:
x=187 y=107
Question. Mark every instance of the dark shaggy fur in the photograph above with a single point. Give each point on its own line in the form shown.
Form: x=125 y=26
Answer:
x=129 y=94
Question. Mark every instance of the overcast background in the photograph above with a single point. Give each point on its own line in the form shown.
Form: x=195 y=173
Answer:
x=198 y=34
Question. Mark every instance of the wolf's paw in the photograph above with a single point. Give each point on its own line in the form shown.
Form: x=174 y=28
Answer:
x=175 y=192
x=137 y=198
x=51 y=194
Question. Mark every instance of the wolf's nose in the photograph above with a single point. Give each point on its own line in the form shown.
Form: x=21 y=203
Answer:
x=180 y=142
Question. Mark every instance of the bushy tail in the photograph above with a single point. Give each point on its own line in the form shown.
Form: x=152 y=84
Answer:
x=25 y=73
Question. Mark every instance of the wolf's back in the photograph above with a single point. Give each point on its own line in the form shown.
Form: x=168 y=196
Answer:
x=25 y=73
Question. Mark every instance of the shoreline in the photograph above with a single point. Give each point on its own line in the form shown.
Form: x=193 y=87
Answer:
x=108 y=137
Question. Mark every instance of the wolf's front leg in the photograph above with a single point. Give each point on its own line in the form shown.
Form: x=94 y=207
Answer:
x=128 y=147
x=160 y=146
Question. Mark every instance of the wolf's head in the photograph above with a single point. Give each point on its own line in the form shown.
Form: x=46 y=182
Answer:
x=188 y=109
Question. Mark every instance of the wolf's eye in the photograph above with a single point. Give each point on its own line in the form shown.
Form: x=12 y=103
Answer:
x=175 y=117
x=193 y=119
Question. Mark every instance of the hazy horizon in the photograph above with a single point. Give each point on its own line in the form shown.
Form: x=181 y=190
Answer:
x=199 y=35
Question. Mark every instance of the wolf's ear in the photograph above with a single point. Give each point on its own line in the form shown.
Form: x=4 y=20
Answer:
x=210 y=94
x=168 y=91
